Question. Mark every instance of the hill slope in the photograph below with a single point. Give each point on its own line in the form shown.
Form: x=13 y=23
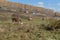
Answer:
x=30 y=30
x=12 y=6
x=17 y=6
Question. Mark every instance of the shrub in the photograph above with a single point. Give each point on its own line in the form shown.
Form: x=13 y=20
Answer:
x=53 y=23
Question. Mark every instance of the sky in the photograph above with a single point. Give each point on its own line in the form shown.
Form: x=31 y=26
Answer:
x=51 y=4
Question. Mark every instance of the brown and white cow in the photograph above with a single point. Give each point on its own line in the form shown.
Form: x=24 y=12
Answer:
x=30 y=19
x=16 y=18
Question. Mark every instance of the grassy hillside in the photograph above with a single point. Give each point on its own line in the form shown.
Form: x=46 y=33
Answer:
x=18 y=6
x=30 y=30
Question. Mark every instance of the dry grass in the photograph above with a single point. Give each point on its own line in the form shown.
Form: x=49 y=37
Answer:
x=30 y=30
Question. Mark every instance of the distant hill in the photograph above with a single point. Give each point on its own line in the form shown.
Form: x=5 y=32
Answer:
x=12 y=6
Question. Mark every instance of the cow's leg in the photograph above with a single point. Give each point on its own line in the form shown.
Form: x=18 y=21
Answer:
x=20 y=22
x=14 y=20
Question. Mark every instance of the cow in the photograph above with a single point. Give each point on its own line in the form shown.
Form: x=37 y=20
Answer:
x=16 y=18
x=30 y=19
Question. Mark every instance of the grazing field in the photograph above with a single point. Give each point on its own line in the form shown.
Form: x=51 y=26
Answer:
x=30 y=30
